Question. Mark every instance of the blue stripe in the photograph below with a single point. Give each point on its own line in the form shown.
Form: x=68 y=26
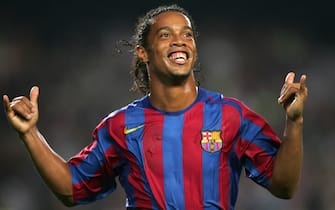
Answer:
x=128 y=188
x=235 y=168
x=253 y=133
x=266 y=143
x=172 y=161
x=235 y=165
x=255 y=174
x=211 y=161
x=249 y=130
x=134 y=117
x=91 y=164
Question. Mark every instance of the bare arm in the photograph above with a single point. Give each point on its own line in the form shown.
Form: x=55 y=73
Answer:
x=288 y=162
x=22 y=114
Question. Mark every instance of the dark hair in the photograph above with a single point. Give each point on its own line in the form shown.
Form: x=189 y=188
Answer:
x=139 y=71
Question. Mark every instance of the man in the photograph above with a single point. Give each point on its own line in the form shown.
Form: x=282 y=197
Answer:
x=178 y=147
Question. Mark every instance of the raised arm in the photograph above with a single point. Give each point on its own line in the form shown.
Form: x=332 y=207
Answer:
x=288 y=162
x=22 y=114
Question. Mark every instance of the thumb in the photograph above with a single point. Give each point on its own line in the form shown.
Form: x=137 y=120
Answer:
x=34 y=92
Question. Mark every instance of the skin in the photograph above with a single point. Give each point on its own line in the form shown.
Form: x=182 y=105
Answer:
x=22 y=113
x=288 y=162
x=173 y=88
x=170 y=82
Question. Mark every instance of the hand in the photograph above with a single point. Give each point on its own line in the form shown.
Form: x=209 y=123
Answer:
x=293 y=96
x=22 y=113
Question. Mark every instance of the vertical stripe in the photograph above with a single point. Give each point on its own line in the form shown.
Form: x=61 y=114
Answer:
x=229 y=176
x=89 y=178
x=172 y=161
x=234 y=177
x=134 y=118
x=116 y=130
x=211 y=160
x=152 y=149
x=192 y=158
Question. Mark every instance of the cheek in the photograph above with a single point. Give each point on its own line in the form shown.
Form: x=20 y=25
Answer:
x=157 y=53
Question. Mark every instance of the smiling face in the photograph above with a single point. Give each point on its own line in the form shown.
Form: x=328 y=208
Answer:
x=171 y=51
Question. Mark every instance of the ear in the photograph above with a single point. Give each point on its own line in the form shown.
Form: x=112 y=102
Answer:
x=142 y=53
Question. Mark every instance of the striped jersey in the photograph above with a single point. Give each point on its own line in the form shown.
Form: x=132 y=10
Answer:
x=190 y=159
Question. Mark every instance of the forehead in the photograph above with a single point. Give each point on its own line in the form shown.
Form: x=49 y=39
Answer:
x=171 y=18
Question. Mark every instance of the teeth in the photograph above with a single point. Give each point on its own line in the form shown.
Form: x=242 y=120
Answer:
x=178 y=55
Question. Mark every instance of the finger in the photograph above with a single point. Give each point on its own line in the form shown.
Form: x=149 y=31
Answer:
x=22 y=99
x=290 y=77
x=288 y=94
x=34 y=92
x=6 y=103
x=303 y=82
x=22 y=109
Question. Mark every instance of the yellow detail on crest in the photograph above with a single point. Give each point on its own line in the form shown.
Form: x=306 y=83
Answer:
x=211 y=141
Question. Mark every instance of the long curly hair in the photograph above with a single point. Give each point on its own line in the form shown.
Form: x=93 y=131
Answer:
x=139 y=70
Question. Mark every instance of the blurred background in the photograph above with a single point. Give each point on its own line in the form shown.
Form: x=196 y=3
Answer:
x=70 y=50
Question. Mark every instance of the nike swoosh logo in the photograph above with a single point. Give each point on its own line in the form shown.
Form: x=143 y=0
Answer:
x=126 y=131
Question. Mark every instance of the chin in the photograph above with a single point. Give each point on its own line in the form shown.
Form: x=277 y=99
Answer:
x=179 y=73
x=181 y=69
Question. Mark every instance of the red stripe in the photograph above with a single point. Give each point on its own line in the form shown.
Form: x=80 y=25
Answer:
x=94 y=185
x=267 y=131
x=263 y=162
x=152 y=149
x=116 y=129
x=113 y=158
x=230 y=126
x=77 y=159
x=256 y=119
x=136 y=180
x=86 y=189
x=192 y=158
x=116 y=126
x=260 y=159
x=224 y=181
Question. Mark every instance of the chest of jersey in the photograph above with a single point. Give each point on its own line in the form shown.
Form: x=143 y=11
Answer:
x=183 y=156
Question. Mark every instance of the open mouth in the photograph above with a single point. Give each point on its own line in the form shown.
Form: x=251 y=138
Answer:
x=178 y=57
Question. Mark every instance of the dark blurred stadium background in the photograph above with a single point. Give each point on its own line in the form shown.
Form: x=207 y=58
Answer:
x=246 y=48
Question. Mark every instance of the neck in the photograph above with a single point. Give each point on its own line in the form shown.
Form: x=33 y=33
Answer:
x=173 y=98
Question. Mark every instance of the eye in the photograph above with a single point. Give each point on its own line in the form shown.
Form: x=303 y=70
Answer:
x=164 y=35
x=188 y=34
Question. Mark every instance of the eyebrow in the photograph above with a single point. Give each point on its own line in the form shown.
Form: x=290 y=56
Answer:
x=169 y=28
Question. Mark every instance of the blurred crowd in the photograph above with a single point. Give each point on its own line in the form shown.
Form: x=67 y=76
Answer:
x=72 y=52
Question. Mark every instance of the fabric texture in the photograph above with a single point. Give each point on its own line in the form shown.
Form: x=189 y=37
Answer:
x=190 y=159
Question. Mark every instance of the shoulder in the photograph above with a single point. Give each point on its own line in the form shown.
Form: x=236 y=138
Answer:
x=117 y=116
x=230 y=106
x=212 y=97
x=115 y=122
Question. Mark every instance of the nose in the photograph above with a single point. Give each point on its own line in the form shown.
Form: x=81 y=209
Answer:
x=177 y=41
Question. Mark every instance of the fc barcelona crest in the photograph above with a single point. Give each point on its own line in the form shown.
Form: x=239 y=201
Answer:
x=211 y=141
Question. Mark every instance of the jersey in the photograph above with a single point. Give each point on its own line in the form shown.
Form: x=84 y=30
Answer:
x=190 y=159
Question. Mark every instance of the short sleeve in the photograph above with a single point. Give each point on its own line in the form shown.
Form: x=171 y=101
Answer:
x=95 y=167
x=261 y=146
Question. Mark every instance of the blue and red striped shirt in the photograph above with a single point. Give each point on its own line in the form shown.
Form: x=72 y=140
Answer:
x=190 y=159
